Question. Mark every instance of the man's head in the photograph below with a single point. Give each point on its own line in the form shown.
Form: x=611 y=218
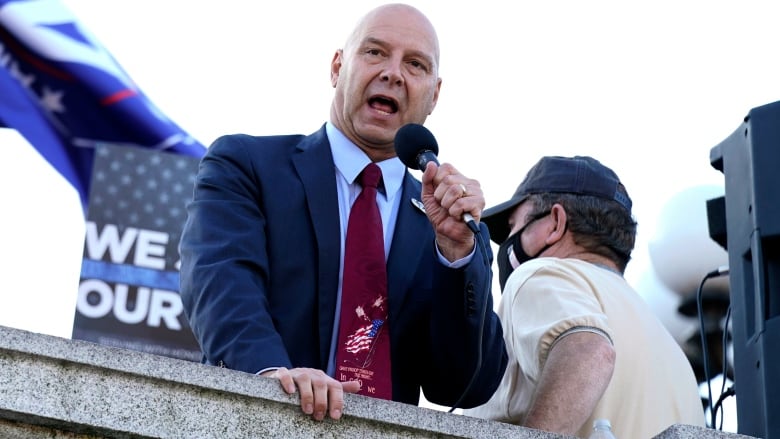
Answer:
x=386 y=76
x=580 y=196
x=579 y=175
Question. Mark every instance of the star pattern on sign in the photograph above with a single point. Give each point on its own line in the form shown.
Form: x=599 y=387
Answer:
x=144 y=189
x=52 y=100
x=26 y=80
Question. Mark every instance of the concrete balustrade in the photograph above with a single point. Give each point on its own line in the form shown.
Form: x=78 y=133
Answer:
x=52 y=387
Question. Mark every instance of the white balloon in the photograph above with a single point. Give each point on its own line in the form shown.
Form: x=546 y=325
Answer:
x=664 y=304
x=682 y=251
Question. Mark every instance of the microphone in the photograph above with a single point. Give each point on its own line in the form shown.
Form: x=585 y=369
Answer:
x=416 y=147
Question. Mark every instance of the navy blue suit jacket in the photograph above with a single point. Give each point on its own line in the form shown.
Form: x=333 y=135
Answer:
x=260 y=266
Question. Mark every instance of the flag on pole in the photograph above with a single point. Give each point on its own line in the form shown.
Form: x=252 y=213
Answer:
x=66 y=94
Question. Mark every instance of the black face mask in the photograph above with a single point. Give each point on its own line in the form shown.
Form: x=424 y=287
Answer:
x=511 y=253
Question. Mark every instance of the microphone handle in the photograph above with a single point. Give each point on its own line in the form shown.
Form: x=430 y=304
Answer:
x=422 y=161
x=469 y=220
x=424 y=157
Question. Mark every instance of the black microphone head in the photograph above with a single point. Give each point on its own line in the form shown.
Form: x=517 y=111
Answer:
x=411 y=141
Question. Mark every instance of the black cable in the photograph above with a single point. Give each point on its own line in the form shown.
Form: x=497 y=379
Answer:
x=481 y=244
x=730 y=392
x=724 y=372
x=705 y=355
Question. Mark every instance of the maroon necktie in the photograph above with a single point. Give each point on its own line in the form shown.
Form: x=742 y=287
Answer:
x=363 y=351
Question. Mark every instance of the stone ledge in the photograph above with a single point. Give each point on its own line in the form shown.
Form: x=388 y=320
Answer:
x=58 y=388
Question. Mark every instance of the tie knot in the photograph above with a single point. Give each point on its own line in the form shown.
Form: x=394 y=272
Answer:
x=370 y=176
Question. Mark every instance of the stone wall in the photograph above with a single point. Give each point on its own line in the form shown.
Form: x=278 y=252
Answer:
x=52 y=387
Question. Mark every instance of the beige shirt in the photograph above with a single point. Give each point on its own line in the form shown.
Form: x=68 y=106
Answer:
x=653 y=385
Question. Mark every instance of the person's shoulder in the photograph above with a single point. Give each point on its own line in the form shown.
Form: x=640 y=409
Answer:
x=279 y=144
x=543 y=265
x=558 y=265
x=254 y=140
x=545 y=272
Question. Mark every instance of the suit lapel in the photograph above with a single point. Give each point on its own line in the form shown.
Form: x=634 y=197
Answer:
x=314 y=163
x=411 y=240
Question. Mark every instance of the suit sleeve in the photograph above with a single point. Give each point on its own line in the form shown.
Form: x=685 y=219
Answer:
x=466 y=334
x=224 y=263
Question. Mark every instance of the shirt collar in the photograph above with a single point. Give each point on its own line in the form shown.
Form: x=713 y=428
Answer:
x=350 y=161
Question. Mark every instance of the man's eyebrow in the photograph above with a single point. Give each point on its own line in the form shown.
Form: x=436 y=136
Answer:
x=414 y=52
x=372 y=40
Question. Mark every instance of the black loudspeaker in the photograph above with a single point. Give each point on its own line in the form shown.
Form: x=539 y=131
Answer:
x=750 y=161
x=716 y=220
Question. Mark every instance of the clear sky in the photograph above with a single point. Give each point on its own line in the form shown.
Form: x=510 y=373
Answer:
x=647 y=87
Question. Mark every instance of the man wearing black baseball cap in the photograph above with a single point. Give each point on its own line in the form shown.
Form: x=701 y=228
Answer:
x=582 y=343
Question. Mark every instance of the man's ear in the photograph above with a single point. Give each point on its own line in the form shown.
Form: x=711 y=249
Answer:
x=335 y=67
x=559 y=218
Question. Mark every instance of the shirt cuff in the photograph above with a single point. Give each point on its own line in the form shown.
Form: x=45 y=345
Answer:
x=459 y=262
x=267 y=369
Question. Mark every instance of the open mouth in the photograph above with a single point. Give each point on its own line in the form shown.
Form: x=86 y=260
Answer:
x=383 y=104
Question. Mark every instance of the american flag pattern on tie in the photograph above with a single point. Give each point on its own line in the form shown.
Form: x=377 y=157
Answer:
x=363 y=350
x=362 y=340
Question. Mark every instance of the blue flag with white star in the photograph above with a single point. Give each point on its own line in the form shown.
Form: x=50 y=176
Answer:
x=66 y=94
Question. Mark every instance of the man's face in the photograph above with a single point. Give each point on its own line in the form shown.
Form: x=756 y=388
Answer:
x=531 y=234
x=385 y=77
x=519 y=217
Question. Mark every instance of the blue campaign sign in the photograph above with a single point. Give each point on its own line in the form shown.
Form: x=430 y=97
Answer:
x=128 y=292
